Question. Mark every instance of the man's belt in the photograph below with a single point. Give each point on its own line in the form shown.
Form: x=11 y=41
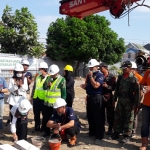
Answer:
x=95 y=95
x=16 y=94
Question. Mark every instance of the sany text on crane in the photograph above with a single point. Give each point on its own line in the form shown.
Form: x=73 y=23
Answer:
x=76 y=3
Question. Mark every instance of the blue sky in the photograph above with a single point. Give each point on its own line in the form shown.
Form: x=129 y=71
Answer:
x=47 y=11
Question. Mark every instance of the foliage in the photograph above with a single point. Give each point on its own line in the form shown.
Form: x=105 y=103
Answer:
x=71 y=39
x=18 y=33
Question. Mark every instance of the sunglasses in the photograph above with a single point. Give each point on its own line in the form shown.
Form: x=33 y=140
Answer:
x=25 y=65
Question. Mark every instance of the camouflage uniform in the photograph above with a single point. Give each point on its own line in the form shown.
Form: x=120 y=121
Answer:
x=128 y=93
x=108 y=99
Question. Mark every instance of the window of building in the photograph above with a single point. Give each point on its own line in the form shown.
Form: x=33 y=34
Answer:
x=129 y=55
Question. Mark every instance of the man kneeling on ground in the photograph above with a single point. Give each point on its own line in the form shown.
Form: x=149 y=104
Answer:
x=64 y=121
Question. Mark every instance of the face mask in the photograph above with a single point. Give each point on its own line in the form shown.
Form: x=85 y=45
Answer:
x=39 y=72
x=59 y=114
x=19 y=75
x=93 y=71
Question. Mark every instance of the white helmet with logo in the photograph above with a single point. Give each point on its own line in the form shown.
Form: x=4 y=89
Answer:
x=93 y=63
x=25 y=62
x=53 y=69
x=24 y=106
x=134 y=65
x=59 y=103
x=43 y=65
x=18 y=67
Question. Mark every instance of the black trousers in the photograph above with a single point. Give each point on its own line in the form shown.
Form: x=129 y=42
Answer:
x=96 y=116
x=10 y=115
x=69 y=100
x=38 y=107
x=48 y=111
x=21 y=126
x=72 y=131
x=110 y=113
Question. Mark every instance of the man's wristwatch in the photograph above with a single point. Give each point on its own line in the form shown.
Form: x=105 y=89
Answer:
x=1 y=90
x=90 y=76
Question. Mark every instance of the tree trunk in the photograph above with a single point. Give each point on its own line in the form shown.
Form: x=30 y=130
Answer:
x=77 y=69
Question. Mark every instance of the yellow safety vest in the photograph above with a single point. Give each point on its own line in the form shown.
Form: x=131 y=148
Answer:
x=39 y=92
x=53 y=93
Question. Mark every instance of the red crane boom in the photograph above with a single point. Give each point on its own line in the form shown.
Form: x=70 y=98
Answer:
x=82 y=8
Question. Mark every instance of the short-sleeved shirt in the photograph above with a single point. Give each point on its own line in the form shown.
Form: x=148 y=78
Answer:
x=98 y=77
x=3 y=85
x=65 y=118
x=146 y=81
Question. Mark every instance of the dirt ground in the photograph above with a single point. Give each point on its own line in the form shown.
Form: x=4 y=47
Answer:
x=84 y=142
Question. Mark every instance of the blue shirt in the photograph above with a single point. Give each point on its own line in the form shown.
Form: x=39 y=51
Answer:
x=3 y=85
x=98 y=77
x=65 y=118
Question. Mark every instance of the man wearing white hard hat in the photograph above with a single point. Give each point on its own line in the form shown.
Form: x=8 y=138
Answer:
x=19 y=122
x=64 y=121
x=27 y=74
x=38 y=96
x=55 y=87
x=95 y=107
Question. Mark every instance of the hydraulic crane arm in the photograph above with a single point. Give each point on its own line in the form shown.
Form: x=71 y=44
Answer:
x=82 y=8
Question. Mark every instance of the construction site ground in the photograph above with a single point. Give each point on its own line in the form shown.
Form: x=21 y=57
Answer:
x=84 y=141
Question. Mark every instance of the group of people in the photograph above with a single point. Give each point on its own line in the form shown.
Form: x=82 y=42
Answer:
x=52 y=94
x=131 y=92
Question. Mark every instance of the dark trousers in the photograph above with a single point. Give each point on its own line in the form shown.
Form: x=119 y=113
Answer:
x=10 y=115
x=110 y=113
x=69 y=100
x=72 y=131
x=37 y=109
x=96 y=116
x=21 y=126
x=145 y=121
x=48 y=111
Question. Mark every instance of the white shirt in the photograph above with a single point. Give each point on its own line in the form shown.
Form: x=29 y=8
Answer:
x=12 y=99
x=13 y=111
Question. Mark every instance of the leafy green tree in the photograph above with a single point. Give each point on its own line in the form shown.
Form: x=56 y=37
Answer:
x=18 y=33
x=71 y=39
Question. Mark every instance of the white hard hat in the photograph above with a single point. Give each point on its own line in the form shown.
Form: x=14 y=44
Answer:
x=43 y=65
x=25 y=62
x=59 y=103
x=134 y=65
x=53 y=69
x=24 y=106
x=18 y=67
x=92 y=63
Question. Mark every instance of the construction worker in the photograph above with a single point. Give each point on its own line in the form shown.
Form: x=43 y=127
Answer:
x=19 y=122
x=64 y=121
x=38 y=96
x=3 y=89
x=68 y=75
x=109 y=85
x=95 y=106
x=128 y=93
x=17 y=87
x=55 y=87
x=27 y=74
x=145 y=82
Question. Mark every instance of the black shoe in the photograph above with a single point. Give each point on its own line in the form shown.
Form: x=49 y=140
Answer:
x=125 y=140
x=8 y=122
x=114 y=136
x=109 y=132
x=36 y=129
